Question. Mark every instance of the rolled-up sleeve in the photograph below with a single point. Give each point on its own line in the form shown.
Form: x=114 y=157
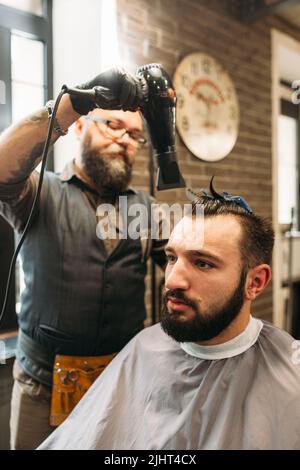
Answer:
x=16 y=201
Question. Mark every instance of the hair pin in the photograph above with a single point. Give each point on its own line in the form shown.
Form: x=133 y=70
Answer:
x=239 y=200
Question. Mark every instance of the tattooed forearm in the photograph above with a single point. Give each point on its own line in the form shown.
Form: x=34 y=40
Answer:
x=21 y=145
x=25 y=166
x=37 y=118
x=21 y=149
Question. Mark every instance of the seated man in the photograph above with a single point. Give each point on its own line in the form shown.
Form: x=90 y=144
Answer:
x=210 y=376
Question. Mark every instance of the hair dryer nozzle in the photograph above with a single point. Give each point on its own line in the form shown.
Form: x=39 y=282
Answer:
x=159 y=112
x=168 y=176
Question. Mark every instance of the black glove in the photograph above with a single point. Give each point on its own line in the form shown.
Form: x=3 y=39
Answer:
x=115 y=89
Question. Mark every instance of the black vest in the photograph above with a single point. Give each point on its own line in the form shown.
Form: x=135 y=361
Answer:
x=78 y=300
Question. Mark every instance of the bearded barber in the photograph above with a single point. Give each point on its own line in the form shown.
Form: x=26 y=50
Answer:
x=84 y=296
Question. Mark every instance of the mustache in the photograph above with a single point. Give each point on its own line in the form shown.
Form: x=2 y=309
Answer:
x=116 y=149
x=111 y=154
x=179 y=295
x=107 y=153
x=121 y=157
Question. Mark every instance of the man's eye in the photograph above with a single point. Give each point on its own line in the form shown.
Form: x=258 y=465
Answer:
x=171 y=258
x=114 y=125
x=203 y=265
x=137 y=137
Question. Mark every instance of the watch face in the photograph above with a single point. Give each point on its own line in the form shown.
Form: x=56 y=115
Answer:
x=207 y=107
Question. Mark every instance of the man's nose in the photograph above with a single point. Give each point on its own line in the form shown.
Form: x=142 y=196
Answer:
x=123 y=139
x=177 y=276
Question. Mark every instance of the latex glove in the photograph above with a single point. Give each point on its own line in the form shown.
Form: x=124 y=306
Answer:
x=115 y=89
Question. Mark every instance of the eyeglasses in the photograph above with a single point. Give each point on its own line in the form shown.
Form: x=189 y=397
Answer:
x=115 y=130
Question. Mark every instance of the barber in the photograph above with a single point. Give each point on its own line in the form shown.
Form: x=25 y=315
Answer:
x=84 y=294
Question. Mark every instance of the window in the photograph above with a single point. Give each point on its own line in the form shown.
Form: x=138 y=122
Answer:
x=25 y=57
x=31 y=6
x=288 y=163
x=28 y=83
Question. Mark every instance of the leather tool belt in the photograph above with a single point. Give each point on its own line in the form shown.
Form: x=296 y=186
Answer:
x=72 y=377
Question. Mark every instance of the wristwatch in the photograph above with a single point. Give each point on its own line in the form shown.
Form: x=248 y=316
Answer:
x=50 y=106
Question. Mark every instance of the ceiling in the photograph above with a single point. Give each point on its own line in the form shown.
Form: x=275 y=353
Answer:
x=291 y=14
x=250 y=10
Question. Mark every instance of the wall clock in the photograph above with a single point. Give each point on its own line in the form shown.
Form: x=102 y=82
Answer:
x=207 y=107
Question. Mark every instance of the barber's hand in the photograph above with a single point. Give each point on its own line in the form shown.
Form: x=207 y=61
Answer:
x=115 y=89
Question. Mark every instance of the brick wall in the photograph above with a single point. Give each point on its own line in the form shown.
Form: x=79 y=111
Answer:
x=165 y=31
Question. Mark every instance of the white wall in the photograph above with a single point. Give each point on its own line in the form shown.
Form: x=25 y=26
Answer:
x=76 y=56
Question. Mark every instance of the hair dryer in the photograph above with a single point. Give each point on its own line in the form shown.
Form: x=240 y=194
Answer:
x=153 y=93
x=159 y=108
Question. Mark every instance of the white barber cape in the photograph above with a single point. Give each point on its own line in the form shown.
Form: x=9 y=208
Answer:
x=158 y=394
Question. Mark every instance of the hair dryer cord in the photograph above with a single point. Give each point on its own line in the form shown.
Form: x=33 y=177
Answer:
x=35 y=202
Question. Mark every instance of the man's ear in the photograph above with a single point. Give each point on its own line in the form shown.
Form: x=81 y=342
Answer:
x=257 y=280
x=79 y=125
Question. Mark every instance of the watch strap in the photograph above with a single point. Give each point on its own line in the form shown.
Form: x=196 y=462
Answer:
x=57 y=128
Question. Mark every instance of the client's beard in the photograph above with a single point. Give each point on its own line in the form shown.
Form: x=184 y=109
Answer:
x=202 y=326
x=111 y=175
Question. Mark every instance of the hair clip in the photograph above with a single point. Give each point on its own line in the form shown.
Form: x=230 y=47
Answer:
x=239 y=200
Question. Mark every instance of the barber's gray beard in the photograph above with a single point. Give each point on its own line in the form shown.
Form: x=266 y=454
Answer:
x=202 y=327
x=110 y=176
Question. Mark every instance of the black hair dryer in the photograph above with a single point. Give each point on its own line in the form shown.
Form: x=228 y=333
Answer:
x=159 y=110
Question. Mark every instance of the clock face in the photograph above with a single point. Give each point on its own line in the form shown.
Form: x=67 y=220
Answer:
x=207 y=107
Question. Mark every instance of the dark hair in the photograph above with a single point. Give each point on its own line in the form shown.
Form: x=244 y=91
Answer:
x=256 y=245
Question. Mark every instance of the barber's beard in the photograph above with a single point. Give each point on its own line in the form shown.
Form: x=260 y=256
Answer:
x=111 y=174
x=202 y=326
